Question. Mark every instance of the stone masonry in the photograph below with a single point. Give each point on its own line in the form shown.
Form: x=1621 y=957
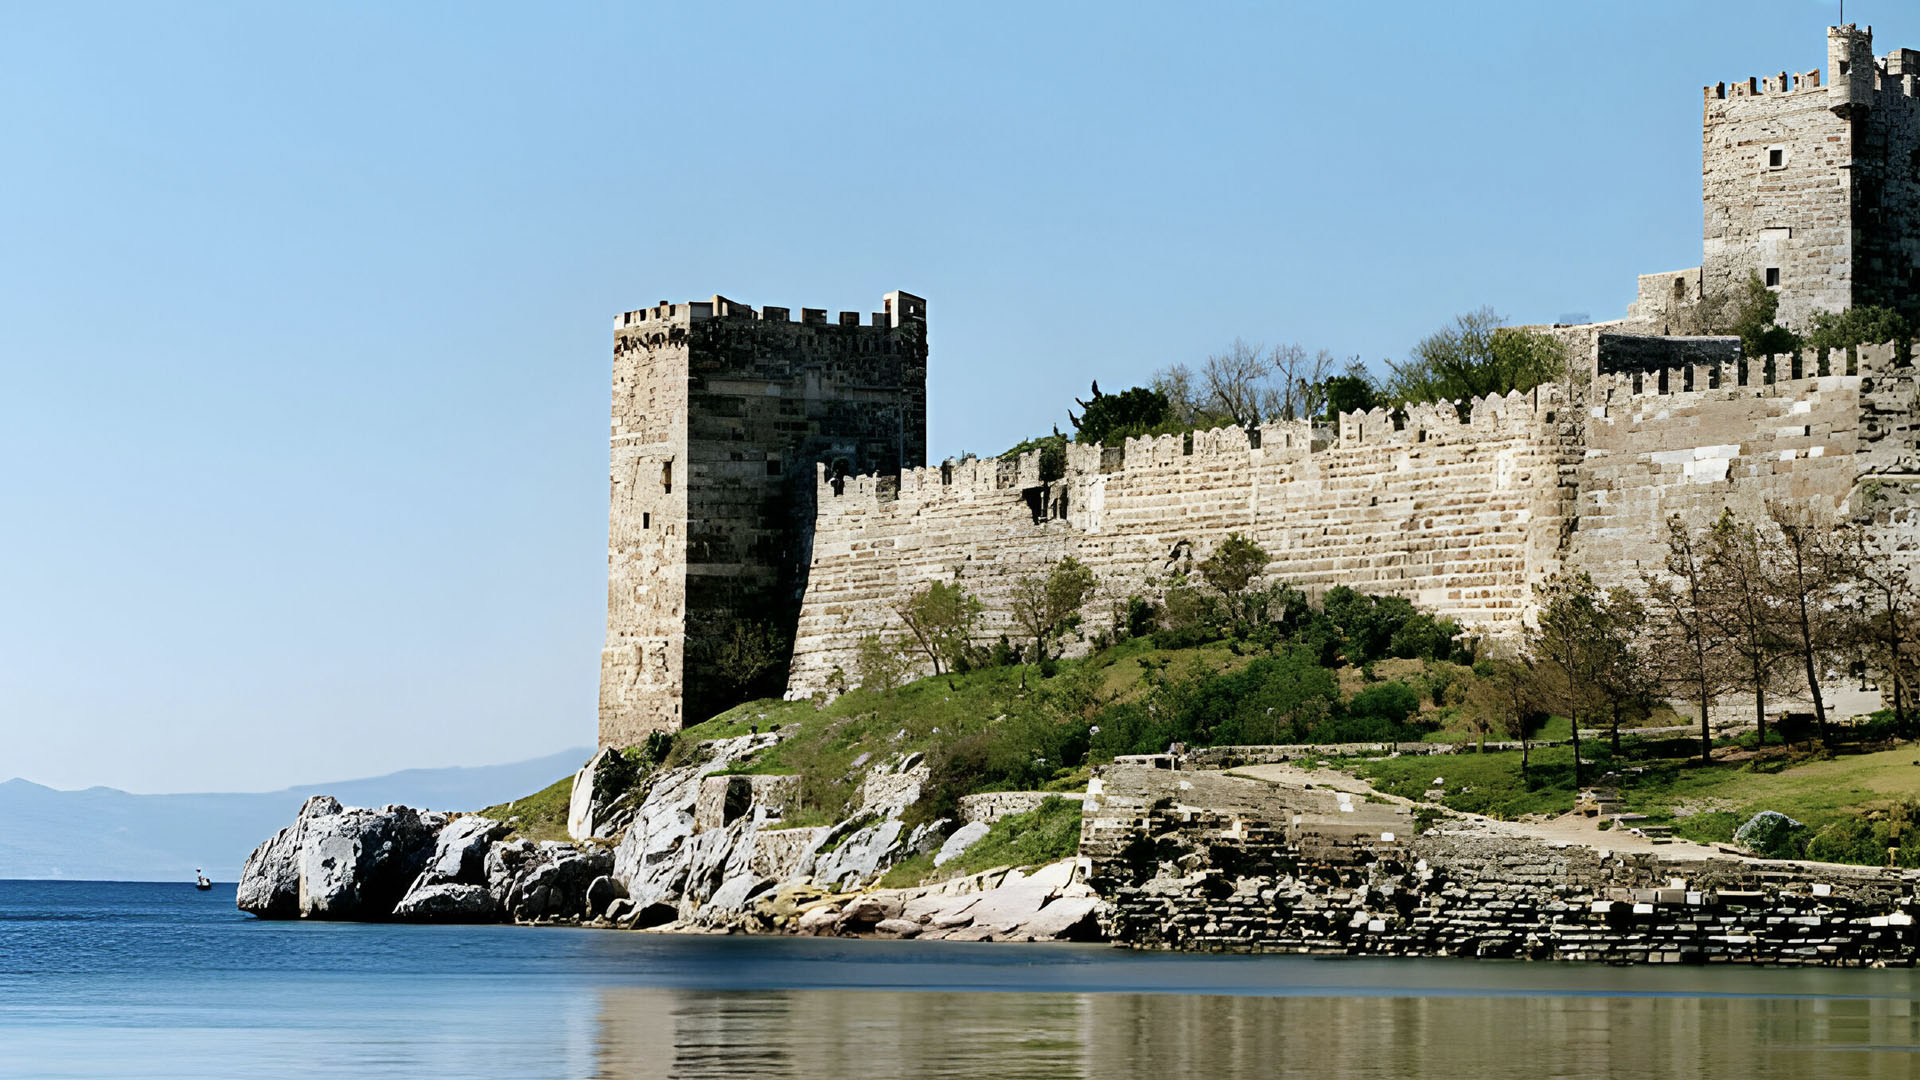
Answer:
x=1463 y=518
x=721 y=414
x=1817 y=187
x=1207 y=861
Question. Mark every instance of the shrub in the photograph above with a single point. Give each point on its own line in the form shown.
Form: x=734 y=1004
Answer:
x=1389 y=703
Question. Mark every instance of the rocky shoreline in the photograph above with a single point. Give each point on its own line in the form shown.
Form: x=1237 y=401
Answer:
x=702 y=852
x=1169 y=858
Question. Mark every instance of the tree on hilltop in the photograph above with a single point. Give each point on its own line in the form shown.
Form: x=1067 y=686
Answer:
x=1111 y=418
x=1477 y=356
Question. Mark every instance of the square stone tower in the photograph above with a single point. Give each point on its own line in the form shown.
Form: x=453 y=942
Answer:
x=1817 y=188
x=720 y=415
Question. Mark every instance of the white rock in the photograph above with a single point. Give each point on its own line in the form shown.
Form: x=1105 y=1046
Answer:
x=963 y=838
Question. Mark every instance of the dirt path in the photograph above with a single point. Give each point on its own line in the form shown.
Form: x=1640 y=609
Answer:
x=1565 y=829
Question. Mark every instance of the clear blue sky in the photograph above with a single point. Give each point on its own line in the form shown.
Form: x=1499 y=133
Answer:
x=305 y=309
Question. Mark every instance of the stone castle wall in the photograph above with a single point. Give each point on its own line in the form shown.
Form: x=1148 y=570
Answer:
x=1464 y=519
x=1460 y=516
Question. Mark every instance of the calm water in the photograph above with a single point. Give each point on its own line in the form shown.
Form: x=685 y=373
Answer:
x=143 y=980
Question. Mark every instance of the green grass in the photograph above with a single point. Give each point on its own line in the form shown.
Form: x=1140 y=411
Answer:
x=1487 y=784
x=543 y=814
x=1048 y=833
x=1704 y=803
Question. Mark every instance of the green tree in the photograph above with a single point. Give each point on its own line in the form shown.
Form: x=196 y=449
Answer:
x=1753 y=321
x=1053 y=454
x=1111 y=418
x=1505 y=696
x=1863 y=325
x=1475 y=357
x=1232 y=569
x=879 y=663
x=1579 y=634
x=1048 y=607
x=748 y=654
x=941 y=617
x=1351 y=391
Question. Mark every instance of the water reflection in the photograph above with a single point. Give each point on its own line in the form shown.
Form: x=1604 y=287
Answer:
x=806 y=1034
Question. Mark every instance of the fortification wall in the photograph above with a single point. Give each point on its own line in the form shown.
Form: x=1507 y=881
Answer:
x=1694 y=442
x=1460 y=516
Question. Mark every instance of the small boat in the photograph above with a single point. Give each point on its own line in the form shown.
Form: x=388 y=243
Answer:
x=201 y=881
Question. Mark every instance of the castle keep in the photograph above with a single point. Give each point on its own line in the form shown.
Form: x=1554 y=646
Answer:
x=721 y=413
x=1815 y=188
x=773 y=471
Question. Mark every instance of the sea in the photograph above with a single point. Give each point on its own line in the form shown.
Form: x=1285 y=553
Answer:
x=113 y=979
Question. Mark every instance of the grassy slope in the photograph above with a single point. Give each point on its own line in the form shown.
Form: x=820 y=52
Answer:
x=543 y=814
x=1702 y=802
x=1656 y=775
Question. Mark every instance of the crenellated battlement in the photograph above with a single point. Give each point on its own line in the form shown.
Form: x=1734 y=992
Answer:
x=1517 y=415
x=900 y=307
x=1765 y=85
x=1785 y=374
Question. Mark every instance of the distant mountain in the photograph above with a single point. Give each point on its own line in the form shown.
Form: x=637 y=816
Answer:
x=105 y=834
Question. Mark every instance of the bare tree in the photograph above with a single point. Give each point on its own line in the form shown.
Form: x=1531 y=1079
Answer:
x=1302 y=381
x=1688 y=653
x=1569 y=645
x=1739 y=564
x=1182 y=389
x=1237 y=384
x=1807 y=572
x=1507 y=699
x=1883 y=606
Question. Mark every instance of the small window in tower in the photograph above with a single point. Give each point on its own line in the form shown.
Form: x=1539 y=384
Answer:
x=1776 y=157
x=773 y=466
x=646 y=521
x=1773 y=277
x=666 y=477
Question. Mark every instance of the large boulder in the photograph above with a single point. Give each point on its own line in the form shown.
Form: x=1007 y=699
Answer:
x=460 y=851
x=1771 y=834
x=601 y=803
x=503 y=864
x=358 y=864
x=452 y=902
x=661 y=858
x=553 y=884
x=963 y=838
x=270 y=881
x=859 y=855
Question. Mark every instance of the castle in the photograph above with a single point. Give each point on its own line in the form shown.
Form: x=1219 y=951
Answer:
x=771 y=472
